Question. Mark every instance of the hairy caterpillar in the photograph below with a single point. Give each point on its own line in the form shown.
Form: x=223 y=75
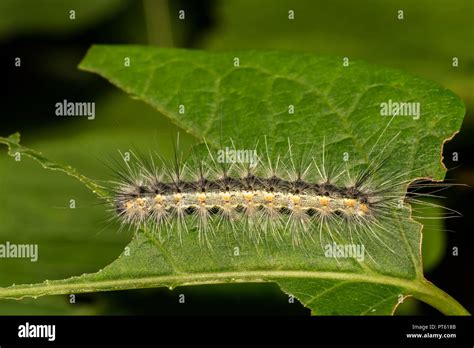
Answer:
x=302 y=197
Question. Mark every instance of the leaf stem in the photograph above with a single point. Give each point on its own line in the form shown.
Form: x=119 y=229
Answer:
x=439 y=299
x=420 y=289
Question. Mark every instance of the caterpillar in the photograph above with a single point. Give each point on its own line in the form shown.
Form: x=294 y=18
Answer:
x=270 y=197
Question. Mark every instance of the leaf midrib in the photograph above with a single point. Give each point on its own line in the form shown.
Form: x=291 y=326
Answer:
x=418 y=287
x=206 y=278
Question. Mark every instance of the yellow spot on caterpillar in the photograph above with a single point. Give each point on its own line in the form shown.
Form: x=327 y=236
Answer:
x=225 y=197
x=268 y=197
x=295 y=199
x=363 y=208
x=129 y=205
x=248 y=196
x=141 y=202
x=350 y=203
x=137 y=206
x=201 y=198
x=324 y=201
x=159 y=199
x=178 y=197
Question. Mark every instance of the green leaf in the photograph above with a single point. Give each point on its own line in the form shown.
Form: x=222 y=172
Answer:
x=245 y=103
x=15 y=149
x=341 y=104
x=375 y=34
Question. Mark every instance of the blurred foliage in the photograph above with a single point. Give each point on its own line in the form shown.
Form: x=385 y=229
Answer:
x=434 y=237
x=73 y=241
x=52 y=17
